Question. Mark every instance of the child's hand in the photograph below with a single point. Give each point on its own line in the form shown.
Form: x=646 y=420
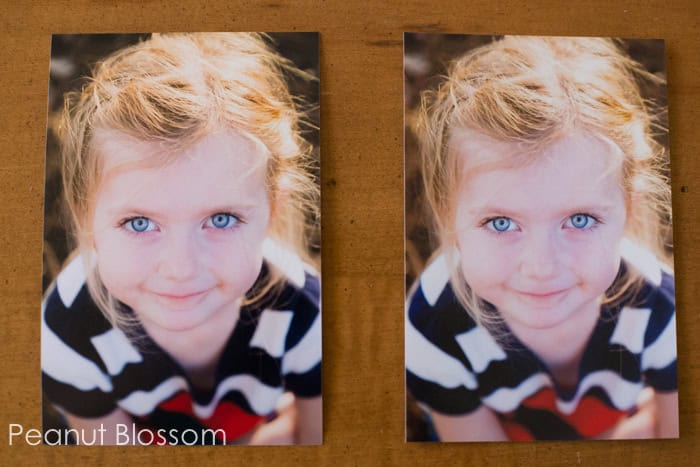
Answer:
x=279 y=431
x=641 y=425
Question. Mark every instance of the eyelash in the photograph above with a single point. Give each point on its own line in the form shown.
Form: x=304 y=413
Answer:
x=233 y=222
x=489 y=223
x=595 y=221
x=127 y=225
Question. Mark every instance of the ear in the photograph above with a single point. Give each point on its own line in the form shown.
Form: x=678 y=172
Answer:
x=279 y=200
x=84 y=231
x=86 y=244
x=635 y=202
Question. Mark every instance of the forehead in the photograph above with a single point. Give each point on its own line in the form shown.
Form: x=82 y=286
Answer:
x=224 y=170
x=117 y=151
x=475 y=152
x=576 y=170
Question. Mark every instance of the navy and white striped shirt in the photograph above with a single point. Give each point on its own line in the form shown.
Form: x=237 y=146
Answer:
x=454 y=366
x=89 y=367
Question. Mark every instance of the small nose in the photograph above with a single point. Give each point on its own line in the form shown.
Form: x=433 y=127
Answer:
x=178 y=257
x=539 y=259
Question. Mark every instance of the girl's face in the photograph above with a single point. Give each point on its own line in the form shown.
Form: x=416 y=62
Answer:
x=180 y=243
x=540 y=241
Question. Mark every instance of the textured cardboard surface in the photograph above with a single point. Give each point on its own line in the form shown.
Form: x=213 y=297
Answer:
x=362 y=182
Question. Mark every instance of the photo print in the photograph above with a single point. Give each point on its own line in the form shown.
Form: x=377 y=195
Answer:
x=539 y=258
x=182 y=240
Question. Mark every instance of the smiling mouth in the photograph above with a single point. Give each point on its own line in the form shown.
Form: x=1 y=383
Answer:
x=544 y=296
x=181 y=297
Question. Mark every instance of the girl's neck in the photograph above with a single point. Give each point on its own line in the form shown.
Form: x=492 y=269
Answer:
x=198 y=350
x=561 y=347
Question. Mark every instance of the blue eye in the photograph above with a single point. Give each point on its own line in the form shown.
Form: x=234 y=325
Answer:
x=139 y=224
x=501 y=224
x=222 y=220
x=581 y=221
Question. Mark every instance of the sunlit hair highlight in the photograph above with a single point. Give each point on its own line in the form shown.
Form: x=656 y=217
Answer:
x=533 y=91
x=175 y=89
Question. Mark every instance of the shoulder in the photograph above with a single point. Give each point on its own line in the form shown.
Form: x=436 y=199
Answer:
x=288 y=318
x=658 y=290
x=301 y=281
x=286 y=323
x=79 y=347
x=646 y=324
x=653 y=306
x=443 y=343
x=432 y=306
x=68 y=311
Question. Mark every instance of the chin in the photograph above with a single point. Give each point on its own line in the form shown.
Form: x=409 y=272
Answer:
x=176 y=323
x=546 y=317
x=541 y=324
x=171 y=319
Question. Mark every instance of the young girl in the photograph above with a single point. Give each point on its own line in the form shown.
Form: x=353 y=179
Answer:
x=187 y=315
x=545 y=313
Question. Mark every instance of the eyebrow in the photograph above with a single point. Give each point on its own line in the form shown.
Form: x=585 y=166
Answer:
x=244 y=208
x=489 y=209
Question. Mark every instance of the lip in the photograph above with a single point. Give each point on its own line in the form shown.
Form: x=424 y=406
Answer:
x=179 y=297
x=544 y=297
x=543 y=294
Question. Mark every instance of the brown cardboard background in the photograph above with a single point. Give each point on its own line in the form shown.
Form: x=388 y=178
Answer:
x=362 y=182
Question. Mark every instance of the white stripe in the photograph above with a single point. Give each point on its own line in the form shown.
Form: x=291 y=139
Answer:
x=508 y=399
x=622 y=393
x=286 y=261
x=271 y=332
x=116 y=350
x=144 y=402
x=307 y=353
x=642 y=260
x=662 y=352
x=630 y=328
x=70 y=280
x=65 y=365
x=480 y=348
x=434 y=279
x=430 y=363
x=262 y=398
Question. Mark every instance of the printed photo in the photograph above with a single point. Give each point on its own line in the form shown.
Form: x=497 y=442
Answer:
x=182 y=240
x=539 y=258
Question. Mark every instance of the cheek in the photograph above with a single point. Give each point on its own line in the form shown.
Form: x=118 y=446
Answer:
x=237 y=266
x=484 y=261
x=596 y=263
x=121 y=266
x=602 y=273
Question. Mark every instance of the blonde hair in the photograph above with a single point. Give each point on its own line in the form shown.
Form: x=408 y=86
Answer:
x=175 y=89
x=533 y=91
